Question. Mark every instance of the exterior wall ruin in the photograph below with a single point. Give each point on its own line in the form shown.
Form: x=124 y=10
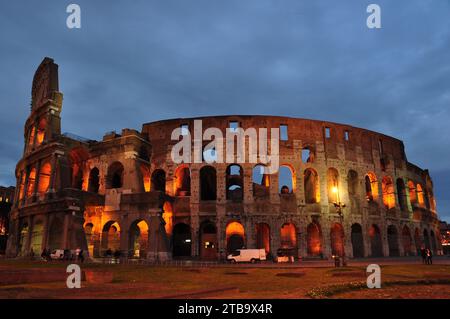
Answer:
x=349 y=191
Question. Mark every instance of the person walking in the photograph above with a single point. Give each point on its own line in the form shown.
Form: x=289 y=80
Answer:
x=429 y=257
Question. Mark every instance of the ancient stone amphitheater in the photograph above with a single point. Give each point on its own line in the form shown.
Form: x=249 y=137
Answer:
x=340 y=190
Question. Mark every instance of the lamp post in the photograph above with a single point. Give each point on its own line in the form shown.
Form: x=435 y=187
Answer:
x=339 y=209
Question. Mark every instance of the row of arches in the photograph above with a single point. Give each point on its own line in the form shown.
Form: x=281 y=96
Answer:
x=235 y=238
x=37 y=181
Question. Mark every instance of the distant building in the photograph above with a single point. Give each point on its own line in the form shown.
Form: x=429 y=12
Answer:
x=6 y=199
x=445 y=237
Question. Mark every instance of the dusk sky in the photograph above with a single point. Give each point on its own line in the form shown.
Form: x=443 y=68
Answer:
x=134 y=62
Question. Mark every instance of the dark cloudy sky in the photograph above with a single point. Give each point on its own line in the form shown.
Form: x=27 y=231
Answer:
x=139 y=61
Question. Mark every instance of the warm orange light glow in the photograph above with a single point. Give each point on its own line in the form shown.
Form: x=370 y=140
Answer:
x=168 y=218
x=334 y=189
x=31 y=182
x=420 y=196
x=41 y=131
x=235 y=228
x=388 y=192
x=145 y=177
x=44 y=178
x=288 y=236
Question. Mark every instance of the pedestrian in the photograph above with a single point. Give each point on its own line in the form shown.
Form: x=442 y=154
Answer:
x=429 y=257
x=423 y=253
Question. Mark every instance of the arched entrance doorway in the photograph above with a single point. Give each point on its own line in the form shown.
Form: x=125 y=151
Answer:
x=376 y=245
x=110 y=238
x=357 y=241
x=263 y=237
x=407 y=242
x=90 y=240
x=138 y=237
x=337 y=240
x=36 y=237
x=426 y=239
x=314 y=239
x=235 y=237
x=208 y=241
x=393 y=241
x=433 y=242
x=181 y=239
x=418 y=241
x=23 y=239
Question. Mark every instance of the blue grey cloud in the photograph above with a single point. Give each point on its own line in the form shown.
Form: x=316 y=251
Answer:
x=139 y=61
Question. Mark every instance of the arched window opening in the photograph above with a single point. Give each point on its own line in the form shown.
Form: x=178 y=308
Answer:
x=371 y=187
x=208 y=241
x=208 y=183
x=312 y=187
x=388 y=192
x=337 y=240
x=110 y=238
x=307 y=154
x=333 y=185
x=401 y=194
x=235 y=182
x=263 y=237
x=286 y=180
x=31 y=137
x=139 y=239
x=41 y=131
x=181 y=240
x=94 y=180
x=407 y=242
x=31 y=182
x=182 y=181
x=115 y=175
x=412 y=193
x=420 y=195
x=146 y=181
x=168 y=218
x=44 y=178
x=261 y=181
x=393 y=241
x=158 y=183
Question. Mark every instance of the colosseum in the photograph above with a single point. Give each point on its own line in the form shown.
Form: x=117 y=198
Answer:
x=339 y=190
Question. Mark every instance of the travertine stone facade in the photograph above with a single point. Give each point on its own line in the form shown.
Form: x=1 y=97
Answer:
x=347 y=191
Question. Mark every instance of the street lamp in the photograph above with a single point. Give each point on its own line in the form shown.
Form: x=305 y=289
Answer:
x=339 y=207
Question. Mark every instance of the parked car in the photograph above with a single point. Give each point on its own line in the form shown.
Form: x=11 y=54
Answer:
x=247 y=255
x=285 y=255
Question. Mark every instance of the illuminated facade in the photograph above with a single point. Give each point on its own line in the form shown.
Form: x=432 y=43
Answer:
x=340 y=190
x=6 y=201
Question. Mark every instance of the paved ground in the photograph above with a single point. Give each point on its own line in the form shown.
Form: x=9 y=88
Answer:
x=401 y=278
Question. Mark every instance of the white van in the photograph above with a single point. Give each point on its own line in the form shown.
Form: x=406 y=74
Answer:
x=247 y=255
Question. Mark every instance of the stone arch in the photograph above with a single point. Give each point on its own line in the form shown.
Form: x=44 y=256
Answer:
x=417 y=240
x=392 y=236
x=376 y=245
x=263 y=237
x=420 y=195
x=314 y=239
x=288 y=236
x=182 y=181
x=357 y=241
x=31 y=182
x=401 y=194
x=407 y=241
x=77 y=158
x=371 y=185
x=110 y=238
x=94 y=180
x=332 y=185
x=145 y=174
x=208 y=241
x=37 y=233
x=311 y=186
x=337 y=240
x=208 y=183
x=387 y=186
x=235 y=236
x=181 y=240
x=114 y=179
x=234 y=182
x=168 y=218
x=23 y=238
x=286 y=179
x=412 y=193
x=42 y=127
x=260 y=181
x=44 y=178
x=158 y=181
x=138 y=239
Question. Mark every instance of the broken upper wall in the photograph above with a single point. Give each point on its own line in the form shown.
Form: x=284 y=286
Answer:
x=336 y=139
